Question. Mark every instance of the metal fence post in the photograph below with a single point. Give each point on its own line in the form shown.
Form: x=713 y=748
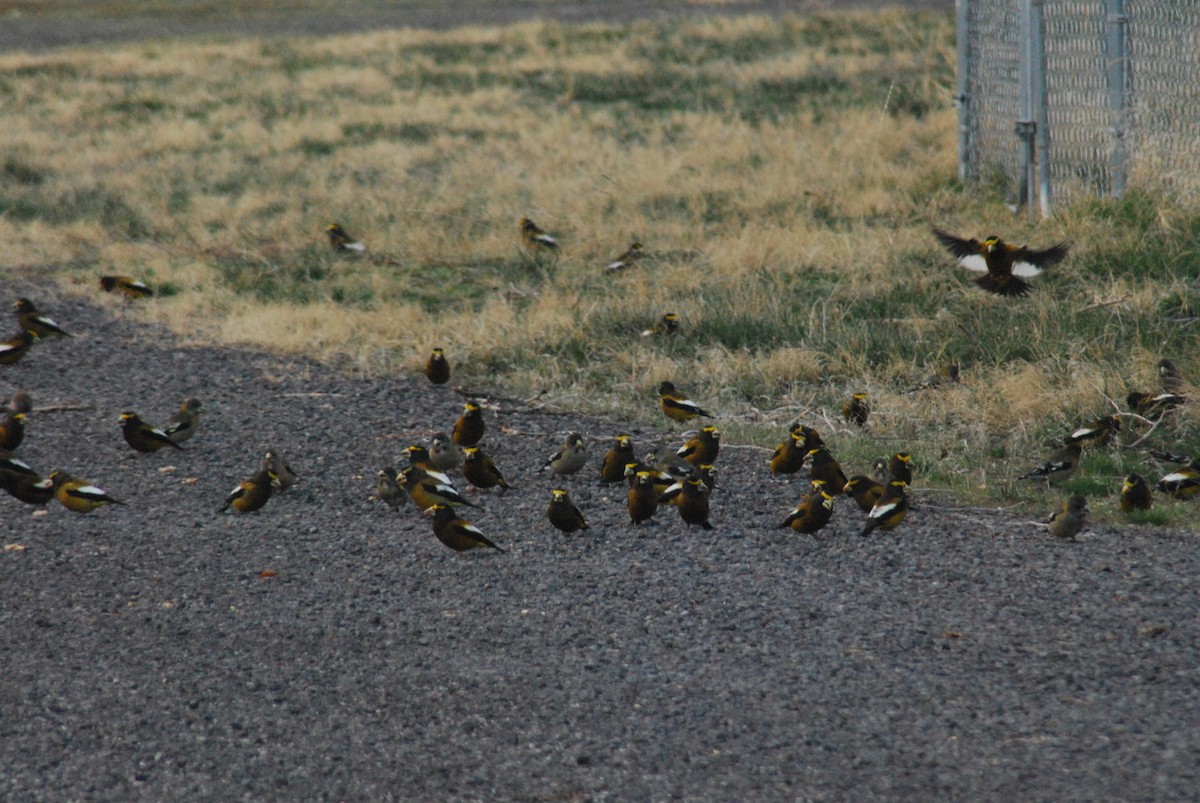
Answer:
x=1040 y=104
x=1117 y=58
x=963 y=68
x=1025 y=124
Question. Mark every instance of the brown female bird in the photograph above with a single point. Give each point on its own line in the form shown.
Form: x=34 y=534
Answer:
x=856 y=410
x=79 y=495
x=814 y=511
x=864 y=491
x=16 y=347
x=676 y=406
x=443 y=454
x=1004 y=266
x=387 y=489
x=250 y=495
x=703 y=448
x=891 y=508
x=32 y=320
x=458 y=534
x=21 y=402
x=469 y=428
x=126 y=286
x=828 y=470
x=12 y=431
x=1068 y=520
x=437 y=367
x=282 y=475
x=184 y=423
x=562 y=512
x=642 y=499
x=569 y=458
x=480 y=470
x=143 y=437
x=1135 y=494
x=620 y=455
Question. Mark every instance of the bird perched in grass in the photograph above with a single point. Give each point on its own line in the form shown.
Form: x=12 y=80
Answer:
x=667 y=325
x=827 y=469
x=947 y=374
x=864 y=491
x=703 y=448
x=251 y=494
x=856 y=410
x=469 y=428
x=642 y=499
x=534 y=238
x=387 y=489
x=458 y=534
x=814 y=511
x=443 y=454
x=126 y=286
x=692 y=500
x=562 y=512
x=21 y=402
x=1153 y=405
x=1059 y=466
x=143 y=437
x=79 y=495
x=16 y=347
x=1135 y=494
x=900 y=467
x=480 y=470
x=1168 y=374
x=32 y=320
x=1068 y=520
x=627 y=259
x=1005 y=267
x=427 y=491
x=184 y=423
x=282 y=475
x=1182 y=483
x=891 y=508
x=437 y=367
x=1098 y=433
x=12 y=431
x=341 y=241
x=621 y=454
x=569 y=458
x=676 y=406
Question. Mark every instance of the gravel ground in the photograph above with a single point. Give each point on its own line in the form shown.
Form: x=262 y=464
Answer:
x=964 y=656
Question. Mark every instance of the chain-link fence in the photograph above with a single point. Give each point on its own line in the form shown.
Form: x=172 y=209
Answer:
x=1121 y=102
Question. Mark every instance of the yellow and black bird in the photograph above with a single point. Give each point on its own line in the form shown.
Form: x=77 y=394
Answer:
x=24 y=484
x=1135 y=494
x=469 y=428
x=1004 y=267
x=341 y=241
x=703 y=448
x=535 y=238
x=387 y=489
x=443 y=454
x=126 y=286
x=692 y=502
x=16 y=347
x=1098 y=433
x=12 y=431
x=1153 y=405
x=1061 y=465
x=864 y=491
x=420 y=457
x=632 y=254
x=661 y=480
x=282 y=475
x=814 y=511
x=856 y=410
x=1168 y=374
x=143 y=437
x=79 y=495
x=947 y=374
x=458 y=534
x=184 y=423
x=32 y=320
x=667 y=325
x=427 y=491
x=562 y=512
x=891 y=508
x=250 y=495
x=900 y=467
x=620 y=455
x=642 y=499
x=676 y=406
x=569 y=458
x=828 y=470
x=21 y=402
x=1068 y=520
x=437 y=367
x=480 y=470
x=789 y=456
x=1182 y=483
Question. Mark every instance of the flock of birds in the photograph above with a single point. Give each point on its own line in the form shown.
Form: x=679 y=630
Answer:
x=682 y=478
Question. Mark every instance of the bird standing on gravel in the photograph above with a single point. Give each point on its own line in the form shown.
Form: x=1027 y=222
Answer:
x=387 y=489
x=569 y=458
x=184 y=423
x=341 y=241
x=437 y=367
x=864 y=491
x=620 y=455
x=692 y=502
x=16 y=347
x=1068 y=520
x=79 y=495
x=642 y=499
x=789 y=456
x=828 y=470
x=562 y=512
x=12 y=431
x=458 y=534
x=703 y=448
x=21 y=402
x=480 y=470
x=252 y=494
x=282 y=475
x=814 y=511
x=32 y=320
x=891 y=508
x=1004 y=266
x=469 y=428
x=676 y=406
x=427 y=491
x=143 y=437
x=443 y=454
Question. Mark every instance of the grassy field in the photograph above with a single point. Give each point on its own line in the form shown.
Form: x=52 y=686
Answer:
x=783 y=175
